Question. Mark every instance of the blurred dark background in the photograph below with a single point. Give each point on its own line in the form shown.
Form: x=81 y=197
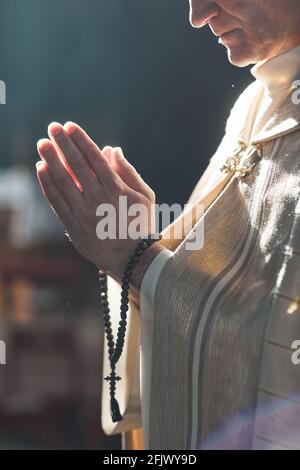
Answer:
x=133 y=74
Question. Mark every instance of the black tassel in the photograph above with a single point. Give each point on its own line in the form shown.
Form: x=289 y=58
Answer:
x=115 y=410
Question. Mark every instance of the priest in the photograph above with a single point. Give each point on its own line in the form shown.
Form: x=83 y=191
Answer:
x=207 y=357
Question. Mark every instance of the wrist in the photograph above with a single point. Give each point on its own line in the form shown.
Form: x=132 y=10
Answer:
x=141 y=268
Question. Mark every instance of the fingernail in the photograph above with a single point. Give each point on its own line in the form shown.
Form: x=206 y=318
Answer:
x=44 y=145
x=119 y=153
x=70 y=127
x=39 y=164
x=54 y=129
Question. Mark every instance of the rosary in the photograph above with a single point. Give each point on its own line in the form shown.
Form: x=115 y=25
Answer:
x=115 y=349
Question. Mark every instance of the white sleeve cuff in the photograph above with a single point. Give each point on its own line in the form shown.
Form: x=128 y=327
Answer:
x=147 y=297
x=150 y=280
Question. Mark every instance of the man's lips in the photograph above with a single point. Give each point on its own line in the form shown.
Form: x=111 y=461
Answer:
x=223 y=35
x=220 y=33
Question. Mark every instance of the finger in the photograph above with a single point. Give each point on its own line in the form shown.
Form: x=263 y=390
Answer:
x=45 y=143
x=60 y=175
x=98 y=162
x=52 y=193
x=107 y=153
x=127 y=172
x=73 y=157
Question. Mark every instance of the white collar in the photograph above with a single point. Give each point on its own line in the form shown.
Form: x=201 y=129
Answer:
x=280 y=71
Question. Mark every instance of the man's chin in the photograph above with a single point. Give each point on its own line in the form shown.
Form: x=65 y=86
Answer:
x=239 y=57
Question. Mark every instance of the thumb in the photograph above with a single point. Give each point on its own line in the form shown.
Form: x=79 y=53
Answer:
x=128 y=173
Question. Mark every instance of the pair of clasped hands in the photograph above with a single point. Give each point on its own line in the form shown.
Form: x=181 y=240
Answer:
x=76 y=177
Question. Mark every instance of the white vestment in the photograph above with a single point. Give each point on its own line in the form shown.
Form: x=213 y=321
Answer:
x=253 y=110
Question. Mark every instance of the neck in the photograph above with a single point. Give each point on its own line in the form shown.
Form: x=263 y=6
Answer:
x=282 y=49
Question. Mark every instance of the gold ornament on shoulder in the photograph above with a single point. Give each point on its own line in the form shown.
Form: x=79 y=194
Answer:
x=243 y=160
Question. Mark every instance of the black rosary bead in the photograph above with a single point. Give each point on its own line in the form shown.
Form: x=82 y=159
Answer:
x=104 y=303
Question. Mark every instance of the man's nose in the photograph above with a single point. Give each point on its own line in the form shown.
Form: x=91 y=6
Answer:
x=202 y=11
